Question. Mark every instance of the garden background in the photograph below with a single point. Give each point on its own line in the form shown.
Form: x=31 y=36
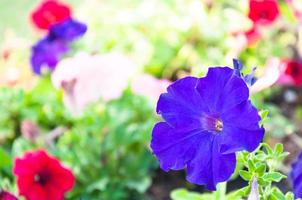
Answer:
x=95 y=108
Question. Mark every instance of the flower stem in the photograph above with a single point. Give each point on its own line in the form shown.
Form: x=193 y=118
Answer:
x=221 y=191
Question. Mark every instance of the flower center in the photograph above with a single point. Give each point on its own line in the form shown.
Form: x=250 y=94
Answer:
x=218 y=125
x=212 y=123
x=264 y=14
x=295 y=71
x=41 y=178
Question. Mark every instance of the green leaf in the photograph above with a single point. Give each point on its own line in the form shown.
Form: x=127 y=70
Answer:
x=268 y=149
x=261 y=156
x=98 y=185
x=242 y=156
x=140 y=185
x=260 y=169
x=238 y=194
x=273 y=176
x=251 y=165
x=263 y=182
x=245 y=175
x=264 y=116
x=5 y=158
x=289 y=196
x=276 y=194
x=278 y=148
x=283 y=155
x=183 y=194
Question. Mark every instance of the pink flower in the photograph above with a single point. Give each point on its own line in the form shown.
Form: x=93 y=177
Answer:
x=270 y=76
x=85 y=78
x=149 y=86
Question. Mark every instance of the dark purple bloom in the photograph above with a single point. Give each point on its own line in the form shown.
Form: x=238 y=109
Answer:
x=296 y=177
x=47 y=52
x=207 y=120
x=68 y=30
x=250 y=79
x=237 y=67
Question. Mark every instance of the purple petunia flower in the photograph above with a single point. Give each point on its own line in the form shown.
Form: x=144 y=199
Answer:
x=296 y=177
x=207 y=120
x=68 y=30
x=48 y=51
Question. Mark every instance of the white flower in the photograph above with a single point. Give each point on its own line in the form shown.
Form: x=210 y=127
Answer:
x=85 y=78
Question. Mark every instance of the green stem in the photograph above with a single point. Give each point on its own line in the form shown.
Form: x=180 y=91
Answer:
x=220 y=194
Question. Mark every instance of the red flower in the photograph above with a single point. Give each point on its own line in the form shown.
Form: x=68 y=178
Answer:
x=294 y=70
x=50 y=12
x=42 y=177
x=7 y=196
x=263 y=12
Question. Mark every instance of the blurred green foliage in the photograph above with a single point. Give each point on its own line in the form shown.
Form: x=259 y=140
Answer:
x=166 y=38
x=106 y=147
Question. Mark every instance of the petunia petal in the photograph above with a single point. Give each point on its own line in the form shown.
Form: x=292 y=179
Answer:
x=36 y=192
x=174 y=107
x=47 y=52
x=64 y=179
x=68 y=30
x=245 y=134
x=211 y=86
x=25 y=183
x=298 y=190
x=54 y=192
x=175 y=147
x=237 y=139
x=245 y=115
x=210 y=167
x=234 y=93
x=296 y=177
x=30 y=163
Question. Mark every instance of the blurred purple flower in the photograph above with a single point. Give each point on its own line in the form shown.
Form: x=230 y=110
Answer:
x=296 y=177
x=68 y=30
x=207 y=120
x=48 y=51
